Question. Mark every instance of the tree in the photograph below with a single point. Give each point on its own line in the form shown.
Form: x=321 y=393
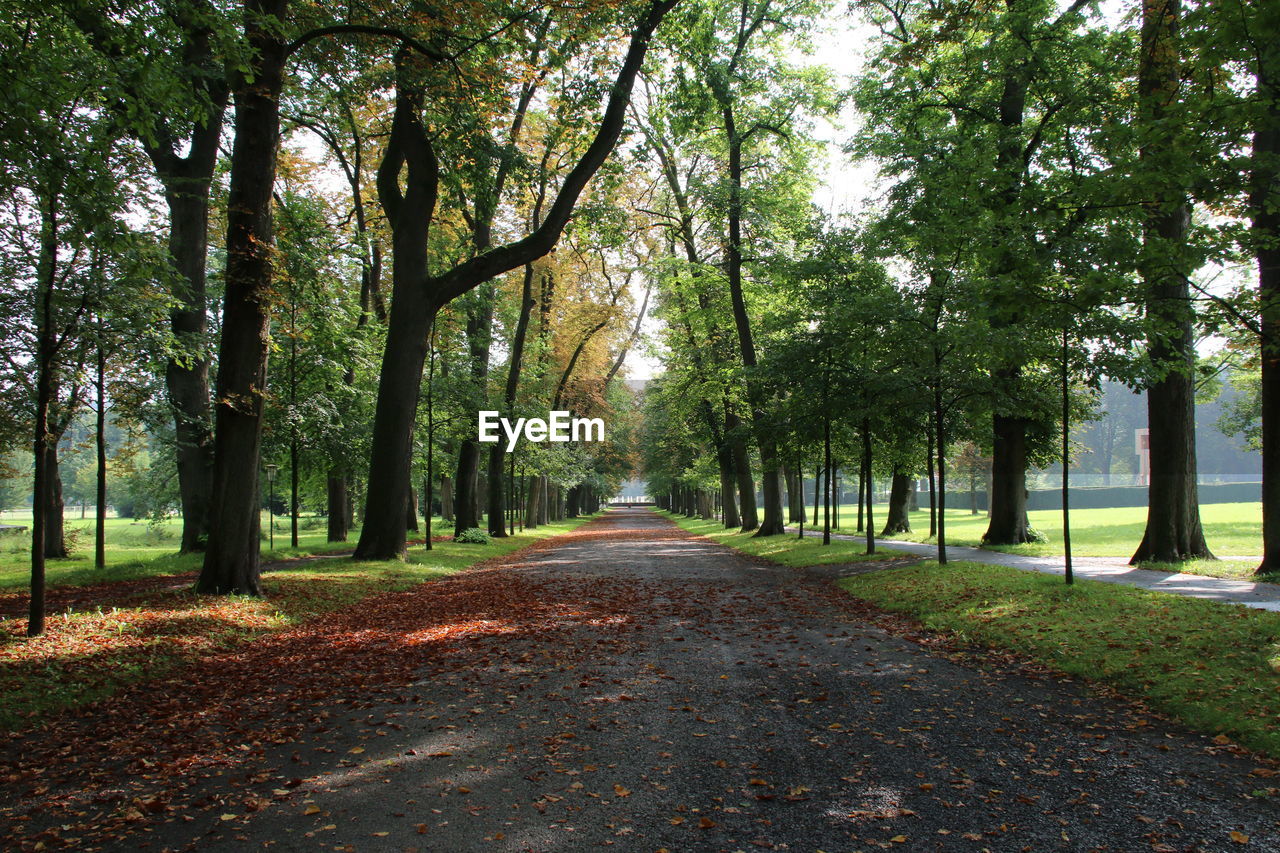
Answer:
x=173 y=101
x=418 y=294
x=1173 y=531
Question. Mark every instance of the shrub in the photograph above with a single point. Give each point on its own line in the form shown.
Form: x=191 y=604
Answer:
x=473 y=536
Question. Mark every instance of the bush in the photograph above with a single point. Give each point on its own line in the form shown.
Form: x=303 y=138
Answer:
x=473 y=536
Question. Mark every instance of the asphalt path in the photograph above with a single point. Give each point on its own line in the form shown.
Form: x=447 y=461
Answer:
x=636 y=688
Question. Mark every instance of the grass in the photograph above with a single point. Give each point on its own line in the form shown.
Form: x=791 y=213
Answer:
x=88 y=656
x=1211 y=665
x=1233 y=529
x=138 y=549
x=785 y=550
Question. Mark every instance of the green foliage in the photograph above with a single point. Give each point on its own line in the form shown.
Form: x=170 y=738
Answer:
x=473 y=536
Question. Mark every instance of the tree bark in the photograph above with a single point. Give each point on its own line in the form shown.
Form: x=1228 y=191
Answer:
x=866 y=456
x=724 y=459
x=100 y=446
x=1173 y=532
x=231 y=562
x=1264 y=202
x=899 y=518
x=413 y=310
x=446 y=497
x=187 y=380
x=468 y=486
x=933 y=483
x=55 y=542
x=742 y=471
x=771 y=488
x=497 y=453
x=1008 y=509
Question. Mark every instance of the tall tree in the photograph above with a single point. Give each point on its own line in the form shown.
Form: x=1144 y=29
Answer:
x=231 y=561
x=174 y=103
x=1173 y=532
x=418 y=294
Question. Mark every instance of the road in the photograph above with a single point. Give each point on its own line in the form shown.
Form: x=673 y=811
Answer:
x=631 y=687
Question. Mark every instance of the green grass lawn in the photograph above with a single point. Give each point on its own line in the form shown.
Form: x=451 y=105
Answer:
x=137 y=549
x=89 y=655
x=1233 y=529
x=1212 y=665
x=785 y=550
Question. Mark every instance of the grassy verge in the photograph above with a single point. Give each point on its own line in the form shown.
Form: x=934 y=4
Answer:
x=1233 y=529
x=785 y=550
x=87 y=656
x=1211 y=665
x=139 y=549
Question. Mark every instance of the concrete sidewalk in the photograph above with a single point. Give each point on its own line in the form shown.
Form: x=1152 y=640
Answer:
x=1263 y=596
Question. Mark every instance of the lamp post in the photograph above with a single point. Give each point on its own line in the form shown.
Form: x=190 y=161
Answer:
x=271 y=503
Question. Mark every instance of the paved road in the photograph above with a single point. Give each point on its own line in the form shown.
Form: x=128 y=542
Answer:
x=1262 y=596
x=632 y=687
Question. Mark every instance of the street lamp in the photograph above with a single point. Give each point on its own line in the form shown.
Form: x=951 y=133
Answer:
x=271 y=502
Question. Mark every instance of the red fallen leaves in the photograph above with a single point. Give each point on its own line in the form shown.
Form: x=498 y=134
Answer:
x=216 y=715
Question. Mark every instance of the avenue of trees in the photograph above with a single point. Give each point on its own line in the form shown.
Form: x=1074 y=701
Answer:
x=1072 y=193
x=322 y=236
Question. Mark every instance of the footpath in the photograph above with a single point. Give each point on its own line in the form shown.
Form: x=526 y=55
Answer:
x=1263 y=596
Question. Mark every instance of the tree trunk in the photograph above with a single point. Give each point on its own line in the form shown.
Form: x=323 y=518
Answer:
x=771 y=488
x=294 y=505
x=1173 y=532
x=939 y=422
x=100 y=499
x=187 y=380
x=1264 y=202
x=826 y=491
x=1008 y=509
x=55 y=543
x=42 y=440
x=795 y=496
x=742 y=471
x=724 y=458
x=231 y=563
x=933 y=483
x=862 y=495
x=411 y=516
x=899 y=520
x=336 y=508
x=409 y=210
x=817 y=491
x=532 y=507
x=446 y=497
x=468 y=486
x=866 y=456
